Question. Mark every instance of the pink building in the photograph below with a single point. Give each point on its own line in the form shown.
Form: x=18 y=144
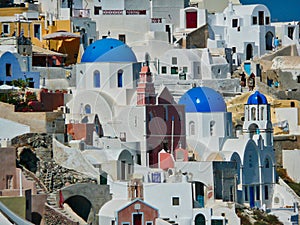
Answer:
x=165 y=120
x=14 y=184
x=137 y=212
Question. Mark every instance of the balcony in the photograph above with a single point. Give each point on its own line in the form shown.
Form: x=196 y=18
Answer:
x=84 y=13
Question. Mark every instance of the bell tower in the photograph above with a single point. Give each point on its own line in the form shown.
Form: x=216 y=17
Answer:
x=258 y=118
x=145 y=90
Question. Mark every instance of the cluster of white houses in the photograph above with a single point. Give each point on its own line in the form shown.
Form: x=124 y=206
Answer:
x=164 y=148
x=142 y=113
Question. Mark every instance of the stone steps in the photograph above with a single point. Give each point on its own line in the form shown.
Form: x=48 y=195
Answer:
x=53 y=203
x=169 y=221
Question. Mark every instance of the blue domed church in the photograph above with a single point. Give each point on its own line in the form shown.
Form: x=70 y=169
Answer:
x=207 y=118
x=210 y=138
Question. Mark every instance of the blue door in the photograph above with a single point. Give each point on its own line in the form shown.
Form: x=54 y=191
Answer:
x=247 y=68
x=251 y=197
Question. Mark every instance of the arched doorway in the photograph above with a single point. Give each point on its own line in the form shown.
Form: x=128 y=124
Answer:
x=269 y=40
x=80 y=205
x=198 y=194
x=236 y=158
x=125 y=165
x=251 y=175
x=253 y=129
x=200 y=220
x=98 y=126
x=29 y=160
x=249 y=52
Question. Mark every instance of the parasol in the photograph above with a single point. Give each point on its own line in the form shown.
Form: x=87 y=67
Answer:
x=60 y=35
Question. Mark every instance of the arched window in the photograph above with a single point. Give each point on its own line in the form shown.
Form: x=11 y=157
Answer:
x=292 y=104
x=253 y=113
x=192 y=128
x=267 y=163
x=249 y=52
x=269 y=40
x=262 y=109
x=120 y=78
x=96 y=79
x=87 y=109
x=253 y=129
x=200 y=220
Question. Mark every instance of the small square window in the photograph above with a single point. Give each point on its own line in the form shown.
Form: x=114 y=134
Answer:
x=149 y=223
x=174 y=60
x=175 y=201
x=185 y=69
x=174 y=70
x=164 y=69
x=122 y=38
x=267 y=20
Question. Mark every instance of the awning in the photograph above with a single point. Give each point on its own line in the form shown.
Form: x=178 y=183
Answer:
x=4 y=88
x=60 y=35
x=38 y=51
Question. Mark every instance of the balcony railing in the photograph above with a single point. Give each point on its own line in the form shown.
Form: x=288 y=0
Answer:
x=81 y=13
x=112 y=12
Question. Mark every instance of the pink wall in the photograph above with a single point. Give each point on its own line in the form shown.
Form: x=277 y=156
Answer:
x=8 y=161
x=159 y=129
x=148 y=213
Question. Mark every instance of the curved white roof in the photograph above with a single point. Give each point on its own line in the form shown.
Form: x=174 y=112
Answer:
x=109 y=208
x=242 y=10
x=237 y=145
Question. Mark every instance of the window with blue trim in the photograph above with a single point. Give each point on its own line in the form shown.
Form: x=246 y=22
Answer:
x=120 y=78
x=96 y=79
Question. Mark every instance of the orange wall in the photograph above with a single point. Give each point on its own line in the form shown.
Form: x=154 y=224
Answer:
x=80 y=131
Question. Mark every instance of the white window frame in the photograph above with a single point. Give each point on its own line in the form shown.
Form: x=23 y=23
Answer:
x=173 y=198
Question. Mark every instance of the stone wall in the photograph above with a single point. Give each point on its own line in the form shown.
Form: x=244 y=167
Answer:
x=39 y=122
x=54 y=217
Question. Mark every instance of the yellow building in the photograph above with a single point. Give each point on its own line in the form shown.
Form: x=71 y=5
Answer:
x=21 y=21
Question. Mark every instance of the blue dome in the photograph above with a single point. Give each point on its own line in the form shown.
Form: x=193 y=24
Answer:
x=257 y=99
x=203 y=99
x=108 y=50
